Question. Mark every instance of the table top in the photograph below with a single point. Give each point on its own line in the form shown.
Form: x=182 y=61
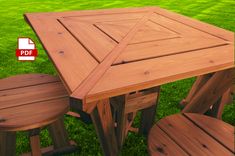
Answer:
x=191 y=134
x=104 y=53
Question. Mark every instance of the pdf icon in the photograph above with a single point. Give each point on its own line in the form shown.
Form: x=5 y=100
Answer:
x=26 y=50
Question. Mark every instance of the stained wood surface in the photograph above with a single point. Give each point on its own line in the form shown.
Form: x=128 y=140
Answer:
x=191 y=134
x=210 y=93
x=221 y=131
x=35 y=104
x=103 y=53
x=104 y=125
x=157 y=71
x=8 y=143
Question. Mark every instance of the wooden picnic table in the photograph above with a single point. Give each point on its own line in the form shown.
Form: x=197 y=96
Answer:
x=107 y=53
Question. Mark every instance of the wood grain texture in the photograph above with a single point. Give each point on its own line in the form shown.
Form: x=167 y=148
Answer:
x=105 y=53
x=210 y=93
x=36 y=93
x=159 y=144
x=26 y=80
x=200 y=81
x=17 y=118
x=153 y=72
x=216 y=31
x=22 y=105
x=95 y=41
x=161 y=48
x=127 y=36
x=117 y=29
x=71 y=59
x=191 y=138
x=104 y=125
x=81 y=13
x=217 y=129
x=35 y=145
x=92 y=79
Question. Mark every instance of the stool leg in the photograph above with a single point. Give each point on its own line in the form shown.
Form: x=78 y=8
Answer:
x=7 y=143
x=35 y=142
x=59 y=134
x=61 y=143
x=35 y=145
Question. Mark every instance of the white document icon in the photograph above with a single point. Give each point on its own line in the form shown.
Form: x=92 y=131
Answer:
x=26 y=47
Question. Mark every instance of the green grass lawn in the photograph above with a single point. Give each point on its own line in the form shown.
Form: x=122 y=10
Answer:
x=12 y=25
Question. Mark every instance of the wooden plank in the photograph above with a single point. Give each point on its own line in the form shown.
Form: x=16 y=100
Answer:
x=65 y=52
x=190 y=137
x=104 y=125
x=36 y=93
x=107 y=17
x=210 y=93
x=73 y=114
x=95 y=41
x=91 y=80
x=50 y=151
x=161 y=48
x=7 y=143
x=219 y=32
x=25 y=80
x=182 y=29
x=160 y=144
x=17 y=118
x=191 y=39
x=121 y=79
x=219 y=130
x=90 y=12
x=140 y=102
x=151 y=31
x=117 y=29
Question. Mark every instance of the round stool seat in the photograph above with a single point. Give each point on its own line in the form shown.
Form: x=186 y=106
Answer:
x=191 y=134
x=31 y=101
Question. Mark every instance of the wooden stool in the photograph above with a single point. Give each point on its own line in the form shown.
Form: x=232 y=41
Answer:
x=29 y=102
x=191 y=134
x=125 y=108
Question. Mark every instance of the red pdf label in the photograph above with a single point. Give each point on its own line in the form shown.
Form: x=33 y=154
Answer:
x=26 y=52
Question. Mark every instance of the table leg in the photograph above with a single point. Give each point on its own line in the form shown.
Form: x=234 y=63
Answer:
x=104 y=125
x=197 y=85
x=217 y=109
x=7 y=143
x=148 y=114
x=147 y=119
x=126 y=107
x=210 y=92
